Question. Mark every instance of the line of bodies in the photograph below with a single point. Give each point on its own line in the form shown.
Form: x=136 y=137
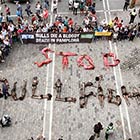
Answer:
x=58 y=87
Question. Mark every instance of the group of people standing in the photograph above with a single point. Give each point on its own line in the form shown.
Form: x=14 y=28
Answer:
x=109 y=131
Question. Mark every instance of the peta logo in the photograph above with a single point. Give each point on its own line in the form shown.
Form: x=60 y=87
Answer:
x=27 y=36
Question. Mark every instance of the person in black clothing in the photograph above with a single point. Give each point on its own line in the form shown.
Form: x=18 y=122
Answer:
x=1 y=95
x=133 y=14
x=5 y=87
x=92 y=137
x=13 y=92
x=28 y=9
x=97 y=129
x=126 y=4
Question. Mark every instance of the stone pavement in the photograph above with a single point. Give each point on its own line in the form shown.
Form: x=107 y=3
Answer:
x=68 y=120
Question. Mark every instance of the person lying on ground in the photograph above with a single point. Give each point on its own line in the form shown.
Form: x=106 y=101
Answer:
x=83 y=99
x=48 y=96
x=136 y=94
x=110 y=94
x=34 y=85
x=82 y=88
x=101 y=96
x=113 y=99
x=125 y=94
x=13 y=92
x=65 y=55
x=45 y=62
x=58 y=86
x=24 y=91
x=88 y=84
x=66 y=99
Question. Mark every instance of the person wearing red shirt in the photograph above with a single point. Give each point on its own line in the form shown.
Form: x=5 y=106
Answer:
x=45 y=14
x=33 y=18
x=70 y=21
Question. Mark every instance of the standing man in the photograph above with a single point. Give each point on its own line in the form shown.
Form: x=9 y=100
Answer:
x=133 y=14
x=19 y=10
x=28 y=8
x=75 y=7
x=109 y=130
x=5 y=90
x=97 y=129
x=7 y=10
x=126 y=4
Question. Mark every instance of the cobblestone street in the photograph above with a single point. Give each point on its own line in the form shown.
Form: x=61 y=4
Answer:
x=54 y=119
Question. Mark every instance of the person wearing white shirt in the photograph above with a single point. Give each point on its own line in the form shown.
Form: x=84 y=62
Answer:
x=70 y=4
x=54 y=7
x=75 y=7
x=11 y=27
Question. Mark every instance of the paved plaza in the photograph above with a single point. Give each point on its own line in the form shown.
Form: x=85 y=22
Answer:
x=54 y=119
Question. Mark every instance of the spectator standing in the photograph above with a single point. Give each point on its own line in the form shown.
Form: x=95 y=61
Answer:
x=5 y=90
x=46 y=4
x=109 y=130
x=19 y=10
x=75 y=7
x=132 y=35
x=34 y=18
x=97 y=129
x=38 y=7
x=126 y=4
x=81 y=6
x=133 y=14
x=70 y=22
x=71 y=4
x=7 y=10
x=28 y=8
x=54 y=7
x=45 y=14
x=1 y=17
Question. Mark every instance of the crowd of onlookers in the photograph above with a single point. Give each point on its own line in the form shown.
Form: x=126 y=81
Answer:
x=39 y=22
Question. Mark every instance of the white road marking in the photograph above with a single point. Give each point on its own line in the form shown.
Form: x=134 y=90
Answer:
x=51 y=102
x=127 y=114
x=120 y=108
x=126 y=108
x=45 y=102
